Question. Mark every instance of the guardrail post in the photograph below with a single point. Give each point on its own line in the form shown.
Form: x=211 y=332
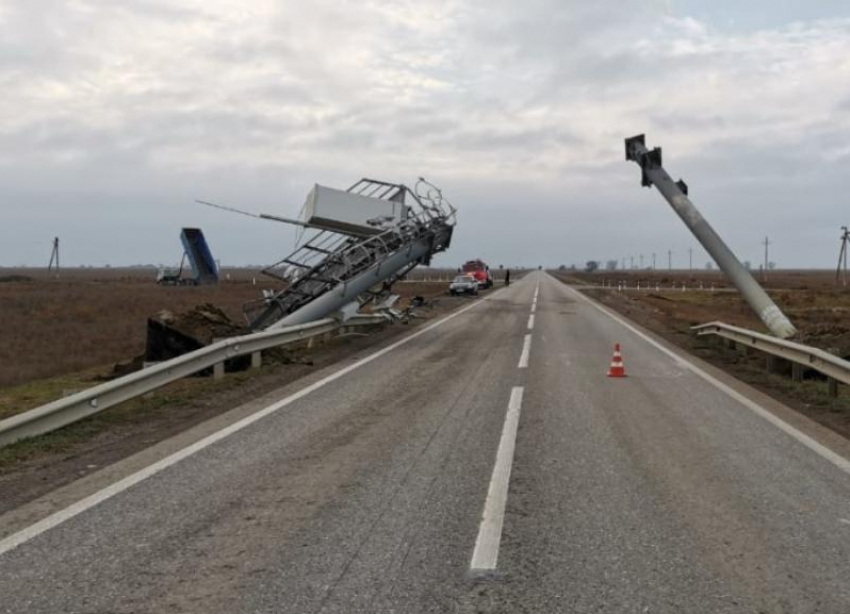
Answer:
x=256 y=360
x=796 y=372
x=218 y=370
x=833 y=387
x=772 y=363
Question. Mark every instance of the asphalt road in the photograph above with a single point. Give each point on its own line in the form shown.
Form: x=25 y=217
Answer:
x=485 y=465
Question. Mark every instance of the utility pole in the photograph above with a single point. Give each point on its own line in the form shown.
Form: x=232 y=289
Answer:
x=653 y=261
x=54 y=257
x=669 y=259
x=766 y=246
x=676 y=194
x=631 y=262
x=641 y=262
x=690 y=259
x=842 y=256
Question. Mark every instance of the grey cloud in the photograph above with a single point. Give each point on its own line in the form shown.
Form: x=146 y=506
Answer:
x=515 y=109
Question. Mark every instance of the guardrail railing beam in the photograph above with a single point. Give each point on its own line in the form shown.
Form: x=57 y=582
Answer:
x=799 y=356
x=87 y=402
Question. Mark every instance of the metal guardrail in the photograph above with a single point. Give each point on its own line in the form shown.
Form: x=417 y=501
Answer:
x=834 y=367
x=75 y=407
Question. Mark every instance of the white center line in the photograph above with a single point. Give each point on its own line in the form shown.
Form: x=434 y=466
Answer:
x=531 y=322
x=526 y=352
x=533 y=306
x=486 y=553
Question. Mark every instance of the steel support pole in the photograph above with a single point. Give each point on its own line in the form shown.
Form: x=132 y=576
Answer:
x=676 y=194
x=344 y=293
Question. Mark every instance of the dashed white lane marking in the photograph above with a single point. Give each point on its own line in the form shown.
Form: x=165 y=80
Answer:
x=533 y=306
x=531 y=322
x=526 y=352
x=813 y=445
x=16 y=539
x=486 y=553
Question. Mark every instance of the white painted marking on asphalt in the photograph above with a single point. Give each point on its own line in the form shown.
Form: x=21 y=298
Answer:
x=531 y=322
x=813 y=445
x=24 y=535
x=533 y=306
x=526 y=352
x=486 y=553
x=844 y=521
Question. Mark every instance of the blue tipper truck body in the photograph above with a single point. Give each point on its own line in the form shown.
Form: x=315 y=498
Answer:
x=204 y=268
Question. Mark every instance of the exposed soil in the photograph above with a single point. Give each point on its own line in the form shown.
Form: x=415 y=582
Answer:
x=817 y=307
x=204 y=322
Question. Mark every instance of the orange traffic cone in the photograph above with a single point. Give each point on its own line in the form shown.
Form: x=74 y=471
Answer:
x=617 y=368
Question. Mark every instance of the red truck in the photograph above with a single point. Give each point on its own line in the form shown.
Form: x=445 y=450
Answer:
x=480 y=271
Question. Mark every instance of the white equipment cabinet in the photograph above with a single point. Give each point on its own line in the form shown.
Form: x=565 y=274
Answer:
x=351 y=214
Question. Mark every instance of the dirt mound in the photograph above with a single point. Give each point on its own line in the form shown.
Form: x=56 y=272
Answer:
x=171 y=335
x=205 y=323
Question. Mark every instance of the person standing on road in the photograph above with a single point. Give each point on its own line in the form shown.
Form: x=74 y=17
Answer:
x=508 y=277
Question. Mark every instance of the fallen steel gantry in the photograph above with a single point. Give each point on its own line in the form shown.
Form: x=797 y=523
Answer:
x=351 y=260
x=676 y=193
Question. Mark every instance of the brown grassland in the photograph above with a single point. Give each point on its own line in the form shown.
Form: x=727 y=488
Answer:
x=818 y=307
x=91 y=317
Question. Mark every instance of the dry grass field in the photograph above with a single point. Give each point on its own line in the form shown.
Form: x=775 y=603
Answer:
x=90 y=318
x=818 y=307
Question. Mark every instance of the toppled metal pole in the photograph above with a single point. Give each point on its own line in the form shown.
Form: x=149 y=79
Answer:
x=676 y=193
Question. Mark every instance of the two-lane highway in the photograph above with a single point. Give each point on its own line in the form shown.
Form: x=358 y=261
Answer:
x=483 y=464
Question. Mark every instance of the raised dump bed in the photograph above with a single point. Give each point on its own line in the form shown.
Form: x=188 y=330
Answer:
x=204 y=269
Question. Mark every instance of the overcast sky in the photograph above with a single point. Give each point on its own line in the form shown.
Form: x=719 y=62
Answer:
x=116 y=115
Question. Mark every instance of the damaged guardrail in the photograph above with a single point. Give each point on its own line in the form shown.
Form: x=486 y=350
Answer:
x=75 y=407
x=801 y=357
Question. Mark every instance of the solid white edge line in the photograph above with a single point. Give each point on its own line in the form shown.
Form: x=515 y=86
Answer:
x=526 y=352
x=815 y=446
x=486 y=553
x=16 y=539
x=531 y=322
